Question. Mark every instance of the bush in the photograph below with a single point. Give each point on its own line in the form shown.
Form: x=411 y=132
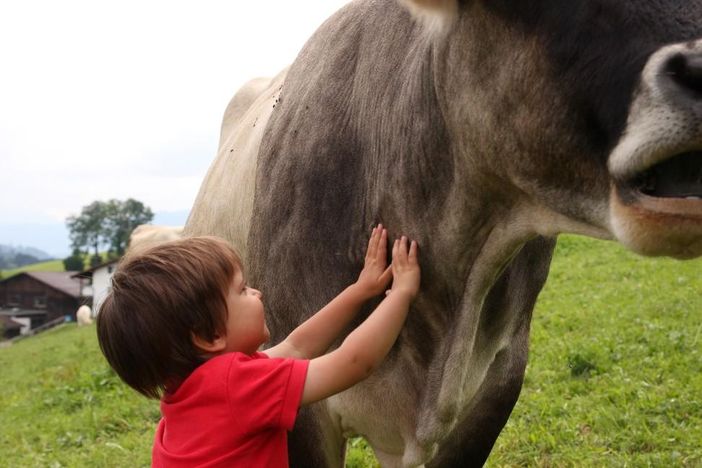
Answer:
x=74 y=262
x=95 y=260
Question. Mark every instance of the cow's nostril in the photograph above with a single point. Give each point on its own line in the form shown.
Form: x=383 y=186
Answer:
x=686 y=71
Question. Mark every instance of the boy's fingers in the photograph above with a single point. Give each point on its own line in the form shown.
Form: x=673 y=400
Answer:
x=413 y=251
x=386 y=276
x=372 y=243
x=397 y=254
x=370 y=239
x=403 y=248
x=382 y=251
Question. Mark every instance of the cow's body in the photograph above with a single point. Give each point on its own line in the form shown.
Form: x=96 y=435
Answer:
x=146 y=236
x=482 y=136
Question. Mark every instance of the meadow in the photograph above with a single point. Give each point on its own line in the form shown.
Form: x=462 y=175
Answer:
x=614 y=378
x=49 y=265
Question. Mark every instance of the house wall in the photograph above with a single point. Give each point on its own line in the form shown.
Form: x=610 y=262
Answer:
x=25 y=292
x=8 y=332
x=26 y=324
x=86 y=288
x=102 y=280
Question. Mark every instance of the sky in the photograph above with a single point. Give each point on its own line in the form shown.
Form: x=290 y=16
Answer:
x=102 y=100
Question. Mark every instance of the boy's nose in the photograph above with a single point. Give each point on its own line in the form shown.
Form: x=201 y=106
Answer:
x=256 y=292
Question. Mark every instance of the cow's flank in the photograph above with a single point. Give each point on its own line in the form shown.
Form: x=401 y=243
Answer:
x=482 y=129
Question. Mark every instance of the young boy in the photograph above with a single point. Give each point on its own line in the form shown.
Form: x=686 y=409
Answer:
x=181 y=324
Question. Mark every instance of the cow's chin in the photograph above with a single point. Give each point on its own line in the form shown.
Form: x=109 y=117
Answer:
x=655 y=217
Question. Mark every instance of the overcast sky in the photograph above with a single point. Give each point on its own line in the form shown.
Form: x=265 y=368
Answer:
x=103 y=100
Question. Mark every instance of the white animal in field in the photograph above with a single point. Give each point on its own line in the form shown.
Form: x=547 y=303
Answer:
x=148 y=235
x=84 y=315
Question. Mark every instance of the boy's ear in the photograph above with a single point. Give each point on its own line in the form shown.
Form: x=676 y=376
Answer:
x=218 y=344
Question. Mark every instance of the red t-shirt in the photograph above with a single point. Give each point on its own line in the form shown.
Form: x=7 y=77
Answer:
x=234 y=410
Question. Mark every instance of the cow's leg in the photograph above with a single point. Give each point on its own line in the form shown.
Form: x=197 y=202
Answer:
x=471 y=442
x=511 y=299
x=315 y=442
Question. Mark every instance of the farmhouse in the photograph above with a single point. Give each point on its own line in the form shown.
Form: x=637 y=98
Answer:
x=95 y=282
x=10 y=327
x=37 y=297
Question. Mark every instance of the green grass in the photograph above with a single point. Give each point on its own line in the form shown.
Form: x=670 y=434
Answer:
x=614 y=378
x=615 y=368
x=62 y=406
x=50 y=265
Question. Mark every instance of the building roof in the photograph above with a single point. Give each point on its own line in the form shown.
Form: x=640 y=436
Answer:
x=89 y=272
x=60 y=280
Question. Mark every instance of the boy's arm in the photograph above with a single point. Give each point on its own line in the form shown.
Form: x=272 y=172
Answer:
x=313 y=337
x=365 y=348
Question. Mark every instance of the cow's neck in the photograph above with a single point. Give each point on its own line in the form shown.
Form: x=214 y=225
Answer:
x=473 y=333
x=470 y=225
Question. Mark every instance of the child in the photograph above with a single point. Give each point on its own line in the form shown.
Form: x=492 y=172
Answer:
x=181 y=324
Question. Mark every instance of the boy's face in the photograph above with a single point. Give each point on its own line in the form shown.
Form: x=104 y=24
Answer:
x=246 y=325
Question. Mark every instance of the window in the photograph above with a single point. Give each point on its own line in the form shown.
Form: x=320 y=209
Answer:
x=40 y=302
x=13 y=299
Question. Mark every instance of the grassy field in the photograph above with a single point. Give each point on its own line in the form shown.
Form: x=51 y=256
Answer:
x=614 y=378
x=615 y=367
x=50 y=265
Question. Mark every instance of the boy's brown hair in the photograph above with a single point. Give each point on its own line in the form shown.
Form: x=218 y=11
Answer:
x=158 y=299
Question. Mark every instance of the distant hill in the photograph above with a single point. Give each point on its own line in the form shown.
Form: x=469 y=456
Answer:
x=49 y=265
x=12 y=256
x=14 y=249
x=46 y=265
x=53 y=237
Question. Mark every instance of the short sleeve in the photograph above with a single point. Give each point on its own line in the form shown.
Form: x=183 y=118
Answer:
x=265 y=393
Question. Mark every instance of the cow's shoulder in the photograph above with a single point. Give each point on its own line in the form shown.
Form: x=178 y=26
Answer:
x=240 y=103
x=223 y=206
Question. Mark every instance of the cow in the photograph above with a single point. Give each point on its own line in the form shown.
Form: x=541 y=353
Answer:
x=483 y=129
x=84 y=315
x=146 y=236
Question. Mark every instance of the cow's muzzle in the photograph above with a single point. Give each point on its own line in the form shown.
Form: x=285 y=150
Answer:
x=685 y=71
x=656 y=167
x=677 y=177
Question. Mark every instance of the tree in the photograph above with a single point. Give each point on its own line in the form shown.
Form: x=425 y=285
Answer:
x=87 y=230
x=95 y=260
x=122 y=218
x=74 y=262
x=106 y=224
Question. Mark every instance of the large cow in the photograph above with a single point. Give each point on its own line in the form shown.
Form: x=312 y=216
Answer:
x=481 y=128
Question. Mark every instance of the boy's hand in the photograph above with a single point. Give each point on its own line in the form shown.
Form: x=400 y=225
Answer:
x=363 y=350
x=405 y=268
x=376 y=275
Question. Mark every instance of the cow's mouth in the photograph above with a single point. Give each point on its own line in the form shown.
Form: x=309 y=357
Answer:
x=673 y=186
x=678 y=177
